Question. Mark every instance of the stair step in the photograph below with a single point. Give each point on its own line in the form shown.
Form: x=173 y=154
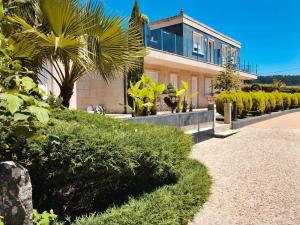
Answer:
x=226 y=133
x=222 y=127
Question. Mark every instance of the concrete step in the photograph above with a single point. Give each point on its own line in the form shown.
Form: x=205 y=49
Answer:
x=222 y=127
x=226 y=133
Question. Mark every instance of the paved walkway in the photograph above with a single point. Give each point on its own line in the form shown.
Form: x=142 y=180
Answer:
x=256 y=175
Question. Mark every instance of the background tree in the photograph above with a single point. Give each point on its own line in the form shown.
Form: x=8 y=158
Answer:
x=277 y=84
x=137 y=21
x=228 y=79
x=75 y=39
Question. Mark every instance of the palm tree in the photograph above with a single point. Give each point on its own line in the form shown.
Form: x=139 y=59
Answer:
x=76 y=38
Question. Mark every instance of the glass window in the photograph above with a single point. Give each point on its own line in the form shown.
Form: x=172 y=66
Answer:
x=224 y=54
x=198 y=43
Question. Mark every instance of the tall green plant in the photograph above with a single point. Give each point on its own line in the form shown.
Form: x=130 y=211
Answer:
x=137 y=21
x=20 y=97
x=144 y=94
x=76 y=38
x=228 y=79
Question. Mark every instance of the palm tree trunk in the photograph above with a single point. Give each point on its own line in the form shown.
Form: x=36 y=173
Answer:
x=66 y=92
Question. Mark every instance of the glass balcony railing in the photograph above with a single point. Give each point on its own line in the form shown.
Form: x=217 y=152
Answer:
x=173 y=43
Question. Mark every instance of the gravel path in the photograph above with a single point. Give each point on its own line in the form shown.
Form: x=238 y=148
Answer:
x=256 y=175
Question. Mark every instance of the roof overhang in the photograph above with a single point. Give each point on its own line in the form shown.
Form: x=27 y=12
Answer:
x=165 y=59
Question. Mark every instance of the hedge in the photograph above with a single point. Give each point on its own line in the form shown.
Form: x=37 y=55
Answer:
x=257 y=102
x=270 y=88
x=229 y=97
x=171 y=204
x=86 y=163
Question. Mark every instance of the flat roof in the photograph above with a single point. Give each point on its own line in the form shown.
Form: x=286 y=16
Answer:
x=183 y=18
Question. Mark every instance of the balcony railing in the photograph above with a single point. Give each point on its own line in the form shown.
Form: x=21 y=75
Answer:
x=173 y=43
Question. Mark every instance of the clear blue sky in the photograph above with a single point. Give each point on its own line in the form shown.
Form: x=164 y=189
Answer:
x=269 y=30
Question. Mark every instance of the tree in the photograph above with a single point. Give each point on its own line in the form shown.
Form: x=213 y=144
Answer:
x=138 y=21
x=228 y=79
x=277 y=84
x=76 y=38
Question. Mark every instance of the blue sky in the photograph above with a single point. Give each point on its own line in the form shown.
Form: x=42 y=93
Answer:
x=269 y=30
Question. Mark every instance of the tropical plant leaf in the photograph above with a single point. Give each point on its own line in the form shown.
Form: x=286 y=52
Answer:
x=21 y=117
x=11 y=102
x=41 y=114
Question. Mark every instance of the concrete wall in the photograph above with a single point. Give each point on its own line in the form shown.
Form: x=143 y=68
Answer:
x=93 y=90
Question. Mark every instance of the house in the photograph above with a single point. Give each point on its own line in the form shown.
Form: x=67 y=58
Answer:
x=179 y=49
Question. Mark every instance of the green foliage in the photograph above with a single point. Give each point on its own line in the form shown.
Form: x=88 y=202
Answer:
x=137 y=22
x=286 y=100
x=45 y=218
x=270 y=102
x=172 y=204
x=279 y=100
x=179 y=99
x=89 y=40
x=144 y=94
x=20 y=97
x=277 y=85
x=290 y=80
x=230 y=97
x=294 y=100
x=89 y=162
x=228 y=79
x=270 y=88
x=1 y=220
x=247 y=102
x=259 y=103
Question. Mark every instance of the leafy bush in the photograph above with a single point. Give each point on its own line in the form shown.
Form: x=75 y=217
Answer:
x=20 y=96
x=173 y=204
x=229 y=97
x=286 y=100
x=259 y=104
x=294 y=100
x=45 y=218
x=270 y=102
x=89 y=162
x=247 y=102
x=298 y=96
x=279 y=100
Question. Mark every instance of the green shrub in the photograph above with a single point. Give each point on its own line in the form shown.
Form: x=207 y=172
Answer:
x=286 y=97
x=172 y=204
x=45 y=218
x=298 y=96
x=259 y=104
x=294 y=100
x=278 y=99
x=270 y=102
x=89 y=162
x=247 y=102
x=229 y=97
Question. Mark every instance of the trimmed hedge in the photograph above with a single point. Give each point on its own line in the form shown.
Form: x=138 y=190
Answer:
x=257 y=102
x=171 y=204
x=88 y=162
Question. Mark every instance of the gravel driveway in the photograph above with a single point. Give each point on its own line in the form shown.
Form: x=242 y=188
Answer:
x=256 y=175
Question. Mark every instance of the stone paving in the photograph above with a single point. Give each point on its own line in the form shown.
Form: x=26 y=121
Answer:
x=256 y=175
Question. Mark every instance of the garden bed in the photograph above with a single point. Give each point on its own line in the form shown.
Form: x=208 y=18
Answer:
x=254 y=119
x=85 y=163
